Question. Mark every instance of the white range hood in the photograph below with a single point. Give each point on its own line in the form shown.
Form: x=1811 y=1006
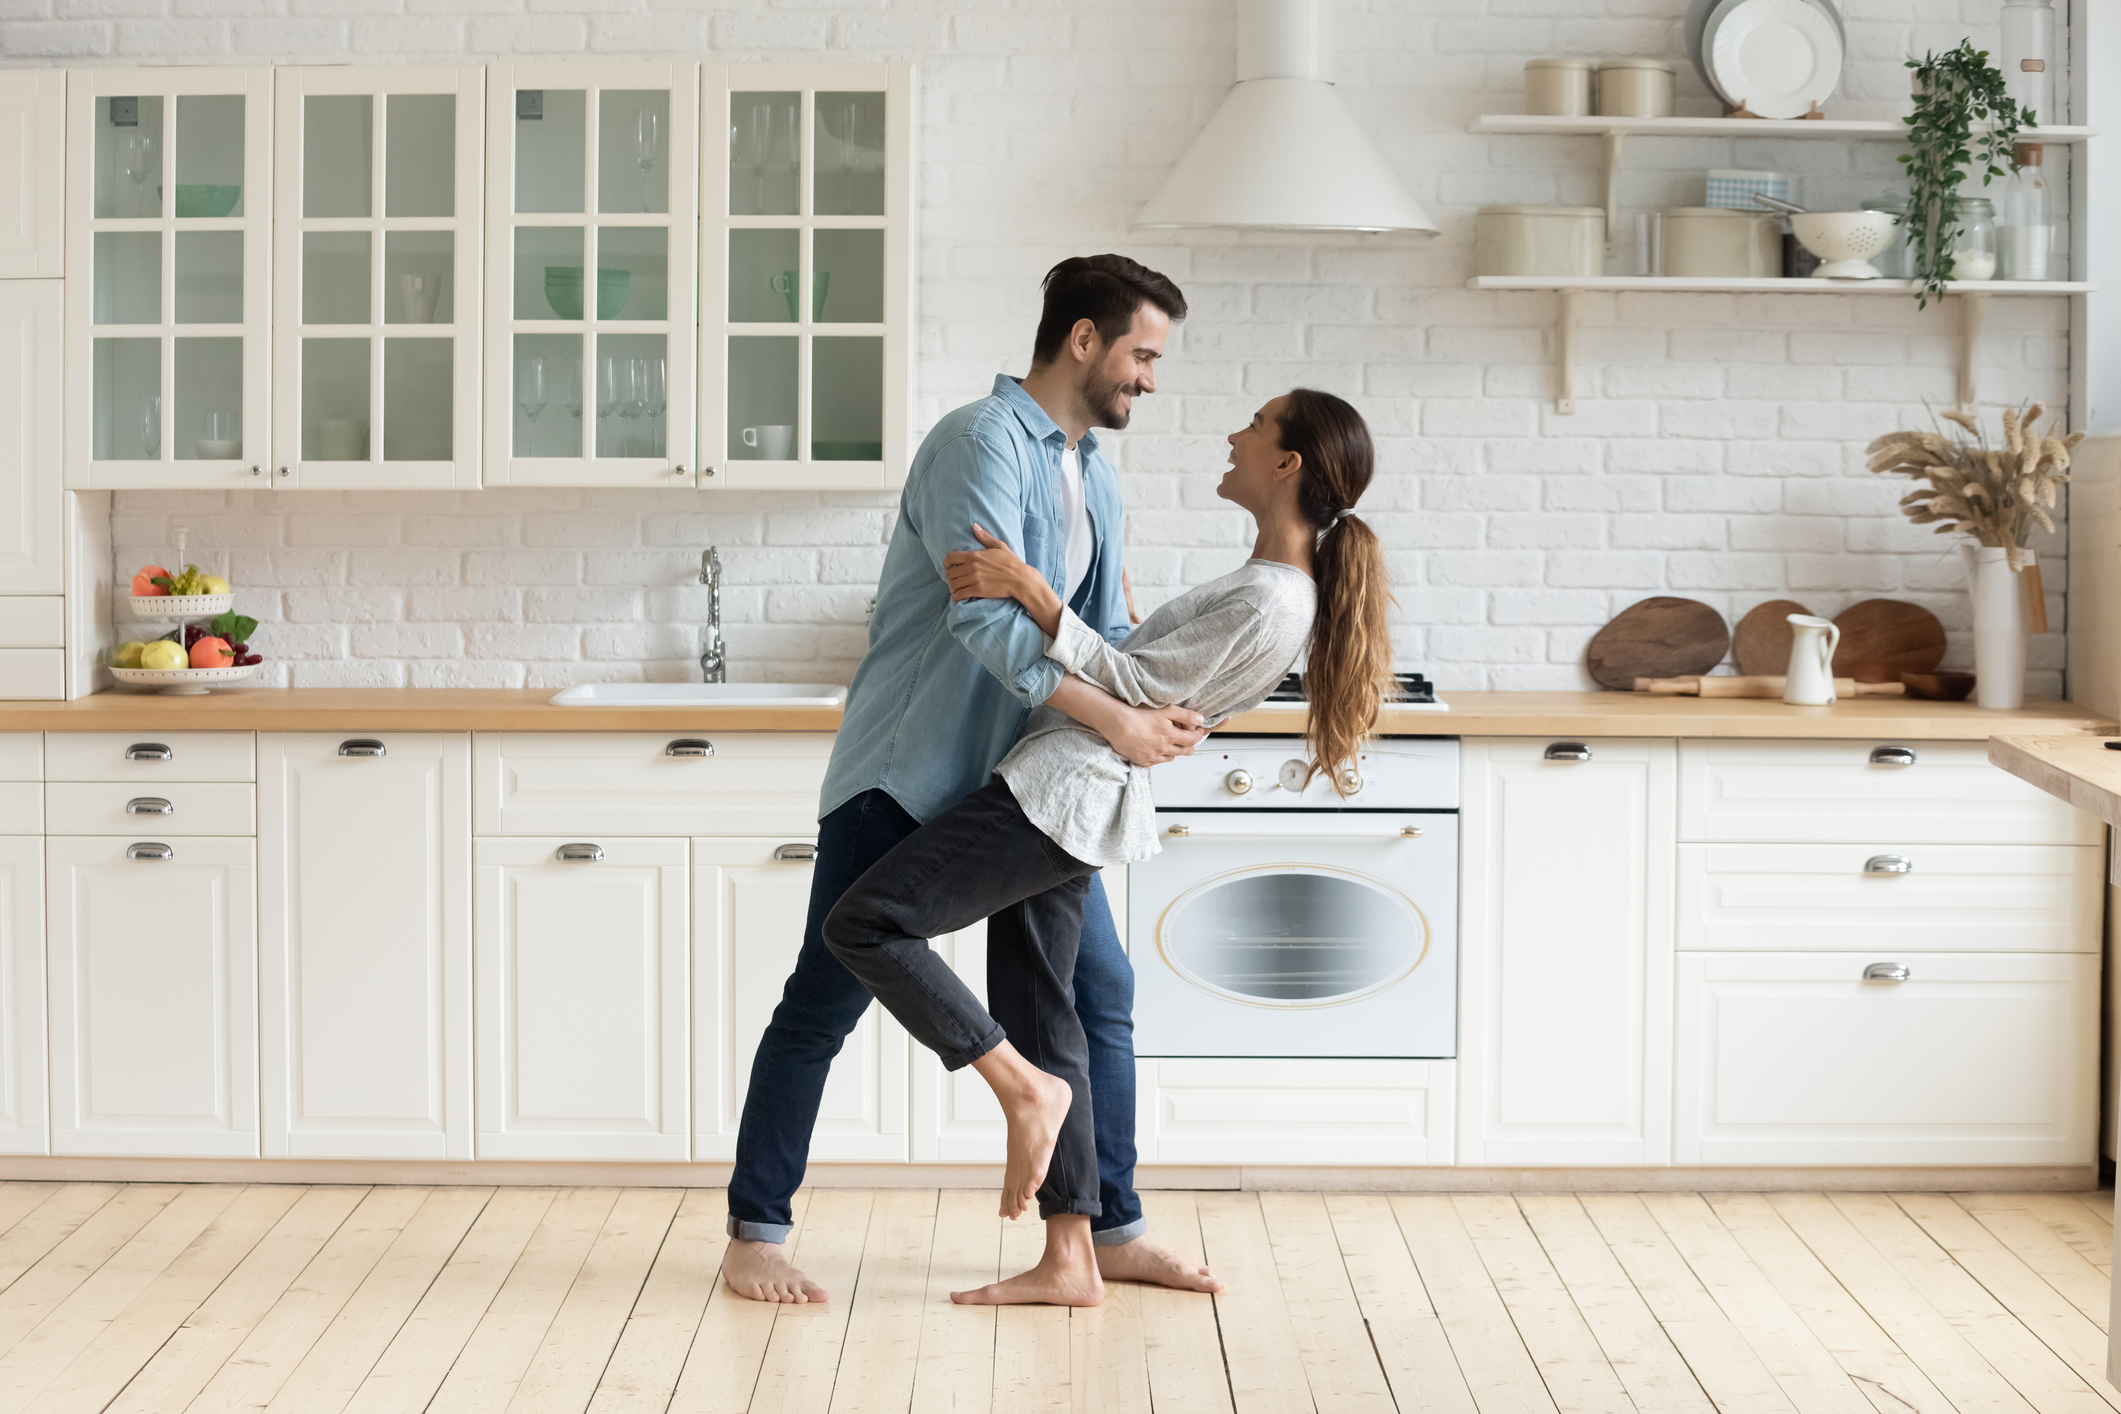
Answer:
x=1283 y=152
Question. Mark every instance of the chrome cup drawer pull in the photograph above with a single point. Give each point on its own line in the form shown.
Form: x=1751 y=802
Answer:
x=149 y=805
x=580 y=853
x=797 y=853
x=1892 y=756
x=1568 y=751
x=149 y=851
x=1886 y=972
x=1888 y=864
x=689 y=746
x=363 y=746
x=149 y=751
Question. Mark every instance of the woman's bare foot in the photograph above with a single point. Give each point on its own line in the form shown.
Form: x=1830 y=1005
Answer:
x=1066 y=1275
x=1034 y=1103
x=1144 y=1260
x=761 y=1271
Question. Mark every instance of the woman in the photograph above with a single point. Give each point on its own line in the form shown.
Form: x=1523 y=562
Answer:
x=1020 y=850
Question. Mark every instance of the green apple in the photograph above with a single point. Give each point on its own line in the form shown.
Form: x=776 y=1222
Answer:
x=162 y=654
x=128 y=654
x=214 y=584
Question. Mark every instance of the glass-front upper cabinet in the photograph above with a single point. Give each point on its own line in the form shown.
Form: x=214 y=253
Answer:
x=376 y=290
x=591 y=326
x=169 y=218
x=805 y=250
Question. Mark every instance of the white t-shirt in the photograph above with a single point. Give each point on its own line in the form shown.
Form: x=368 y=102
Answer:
x=1075 y=509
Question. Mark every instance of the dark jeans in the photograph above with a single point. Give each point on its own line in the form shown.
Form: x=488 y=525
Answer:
x=982 y=858
x=822 y=1003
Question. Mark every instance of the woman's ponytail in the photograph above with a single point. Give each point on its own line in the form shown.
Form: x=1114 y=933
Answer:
x=1349 y=662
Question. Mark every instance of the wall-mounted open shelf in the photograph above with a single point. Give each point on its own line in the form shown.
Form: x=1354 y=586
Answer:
x=1536 y=125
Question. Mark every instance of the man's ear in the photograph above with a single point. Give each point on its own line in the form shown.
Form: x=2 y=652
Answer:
x=1082 y=340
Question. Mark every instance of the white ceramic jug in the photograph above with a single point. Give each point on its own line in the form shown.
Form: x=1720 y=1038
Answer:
x=1810 y=680
x=1999 y=594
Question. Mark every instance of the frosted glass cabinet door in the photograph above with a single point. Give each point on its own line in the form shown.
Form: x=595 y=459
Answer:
x=807 y=306
x=169 y=219
x=591 y=307
x=377 y=247
x=32 y=174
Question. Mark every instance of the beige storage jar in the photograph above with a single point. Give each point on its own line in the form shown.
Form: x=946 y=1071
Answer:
x=1522 y=239
x=1634 y=88
x=1716 y=242
x=1558 y=88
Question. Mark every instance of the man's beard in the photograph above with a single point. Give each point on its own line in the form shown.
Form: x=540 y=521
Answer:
x=1103 y=400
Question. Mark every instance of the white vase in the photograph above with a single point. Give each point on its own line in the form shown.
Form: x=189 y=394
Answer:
x=1999 y=624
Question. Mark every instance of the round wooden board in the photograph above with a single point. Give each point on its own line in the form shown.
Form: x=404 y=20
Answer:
x=1762 y=643
x=1662 y=637
x=1883 y=638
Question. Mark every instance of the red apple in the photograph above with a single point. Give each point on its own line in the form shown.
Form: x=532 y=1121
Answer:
x=212 y=653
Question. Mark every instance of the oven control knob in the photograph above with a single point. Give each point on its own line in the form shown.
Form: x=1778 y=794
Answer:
x=1293 y=775
x=1238 y=783
x=1350 y=780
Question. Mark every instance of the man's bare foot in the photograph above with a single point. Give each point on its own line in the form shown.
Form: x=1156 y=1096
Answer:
x=1066 y=1275
x=761 y=1271
x=1144 y=1260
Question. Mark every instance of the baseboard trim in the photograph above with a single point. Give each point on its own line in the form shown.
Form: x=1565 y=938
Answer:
x=2031 y=1178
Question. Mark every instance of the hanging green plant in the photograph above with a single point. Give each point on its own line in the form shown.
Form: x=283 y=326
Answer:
x=1954 y=92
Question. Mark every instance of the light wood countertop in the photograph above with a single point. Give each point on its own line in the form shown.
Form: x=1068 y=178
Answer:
x=1548 y=714
x=2078 y=769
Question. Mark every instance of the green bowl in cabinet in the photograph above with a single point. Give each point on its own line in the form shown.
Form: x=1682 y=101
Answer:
x=198 y=199
x=563 y=291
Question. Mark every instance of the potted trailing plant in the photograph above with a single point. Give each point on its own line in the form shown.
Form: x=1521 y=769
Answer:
x=1954 y=91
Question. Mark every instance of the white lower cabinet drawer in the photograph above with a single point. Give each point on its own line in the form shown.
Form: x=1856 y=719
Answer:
x=144 y=758
x=1274 y=1112
x=648 y=783
x=21 y=756
x=1975 y=1058
x=170 y=809
x=1942 y=898
x=21 y=808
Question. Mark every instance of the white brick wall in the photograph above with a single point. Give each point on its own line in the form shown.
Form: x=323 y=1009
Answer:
x=1715 y=451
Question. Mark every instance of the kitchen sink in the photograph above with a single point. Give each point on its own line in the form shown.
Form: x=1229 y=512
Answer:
x=702 y=694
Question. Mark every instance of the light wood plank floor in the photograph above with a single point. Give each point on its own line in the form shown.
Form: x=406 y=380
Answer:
x=161 y=1298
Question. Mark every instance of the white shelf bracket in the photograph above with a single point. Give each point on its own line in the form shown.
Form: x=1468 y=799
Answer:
x=1613 y=141
x=1565 y=354
x=1973 y=309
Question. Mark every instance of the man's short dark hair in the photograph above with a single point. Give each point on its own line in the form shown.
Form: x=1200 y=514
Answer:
x=1104 y=289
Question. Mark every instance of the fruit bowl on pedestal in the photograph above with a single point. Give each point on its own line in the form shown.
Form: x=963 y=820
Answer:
x=183 y=682
x=169 y=607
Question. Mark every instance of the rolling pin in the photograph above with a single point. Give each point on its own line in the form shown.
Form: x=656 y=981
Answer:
x=1757 y=686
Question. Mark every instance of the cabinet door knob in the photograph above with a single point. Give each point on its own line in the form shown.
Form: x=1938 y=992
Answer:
x=579 y=853
x=1568 y=751
x=689 y=746
x=149 y=851
x=1892 y=756
x=283 y=471
x=149 y=751
x=797 y=853
x=363 y=746
x=149 y=805
x=257 y=471
x=680 y=471
x=1886 y=972
x=1888 y=864
x=706 y=471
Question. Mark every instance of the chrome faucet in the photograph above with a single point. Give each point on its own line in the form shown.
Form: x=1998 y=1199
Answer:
x=714 y=659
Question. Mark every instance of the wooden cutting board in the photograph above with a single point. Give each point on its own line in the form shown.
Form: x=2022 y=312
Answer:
x=1662 y=637
x=1762 y=644
x=1883 y=638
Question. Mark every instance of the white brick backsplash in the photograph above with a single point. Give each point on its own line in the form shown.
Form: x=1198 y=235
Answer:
x=1716 y=450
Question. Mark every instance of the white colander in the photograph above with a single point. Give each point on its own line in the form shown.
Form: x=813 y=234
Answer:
x=1846 y=240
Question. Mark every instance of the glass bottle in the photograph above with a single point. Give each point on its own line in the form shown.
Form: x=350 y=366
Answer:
x=2028 y=55
x=2027 y=234
x=1895 y=261
x=1974 y=247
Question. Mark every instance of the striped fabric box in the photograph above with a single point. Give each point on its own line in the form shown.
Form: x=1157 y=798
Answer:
x=1729 y=186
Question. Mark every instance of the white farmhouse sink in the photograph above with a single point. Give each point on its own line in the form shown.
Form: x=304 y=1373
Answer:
x=702 y=694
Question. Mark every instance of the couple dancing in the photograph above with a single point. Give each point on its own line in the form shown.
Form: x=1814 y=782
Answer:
x=946 y=802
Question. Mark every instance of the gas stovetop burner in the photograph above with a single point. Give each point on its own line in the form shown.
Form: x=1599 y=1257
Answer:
x=1413 y=687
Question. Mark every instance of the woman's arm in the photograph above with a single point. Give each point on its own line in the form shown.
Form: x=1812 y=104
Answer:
x=998 y=572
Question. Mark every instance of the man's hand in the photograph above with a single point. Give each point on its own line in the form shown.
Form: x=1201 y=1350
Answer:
x=1150 y=736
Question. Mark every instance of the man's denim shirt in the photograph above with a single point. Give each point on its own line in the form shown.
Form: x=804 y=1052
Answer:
x=945 y=687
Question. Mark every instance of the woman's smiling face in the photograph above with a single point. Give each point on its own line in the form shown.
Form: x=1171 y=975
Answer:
x=1256 y=456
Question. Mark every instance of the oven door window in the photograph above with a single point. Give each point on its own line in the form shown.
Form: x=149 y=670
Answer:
x=1292 y=936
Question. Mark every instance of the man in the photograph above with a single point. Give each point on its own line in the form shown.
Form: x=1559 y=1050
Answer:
x=940 y=699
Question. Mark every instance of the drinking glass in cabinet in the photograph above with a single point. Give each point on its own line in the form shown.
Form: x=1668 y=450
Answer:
x=209 y=278
x=531 y=394
x=548 y=273
x=128 y=277
x=335 y=277
x=847 y=400
x=631 y=127
x=338 y=139
x=208 y=171
x=207 y=422
x=851 y=265
x=128 y=157
x=128 y=399
x=759 y=262
x=764 y=151
x=558 y=360
x=335 y=400
x=762 y=398
x=419 y=399
x=420 y=155
x=419 y=269
x=640 y=256
x=849 y=133
x=551 y=148
x=629 y=409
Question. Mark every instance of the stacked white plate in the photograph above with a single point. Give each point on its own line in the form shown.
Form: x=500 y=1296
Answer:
x=1776 y=57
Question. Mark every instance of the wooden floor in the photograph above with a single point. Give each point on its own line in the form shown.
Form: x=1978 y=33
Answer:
x=154 y=1299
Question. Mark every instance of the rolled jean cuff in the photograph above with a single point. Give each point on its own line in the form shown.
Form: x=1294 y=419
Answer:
x=1116 y=1236
x=958 y=1060
x=1071 y=1208
x=758 y=1232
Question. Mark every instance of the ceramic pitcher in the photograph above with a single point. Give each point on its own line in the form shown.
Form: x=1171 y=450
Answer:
x=1810 y=678
x=1999 y=624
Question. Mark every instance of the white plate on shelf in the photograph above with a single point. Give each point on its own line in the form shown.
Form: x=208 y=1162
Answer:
x=183 y=682
x=1697 y=24
x=170 y=607
x=1777 y=57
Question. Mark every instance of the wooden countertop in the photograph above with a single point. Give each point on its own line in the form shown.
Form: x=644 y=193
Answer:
x=1550 y=714
x=2078 y=769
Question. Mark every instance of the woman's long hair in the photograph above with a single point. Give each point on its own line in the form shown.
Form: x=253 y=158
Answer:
x=1350 y=658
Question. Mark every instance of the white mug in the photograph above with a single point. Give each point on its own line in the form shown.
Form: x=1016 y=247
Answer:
x=1810 y=680
x=773 y=442
x=419 y=293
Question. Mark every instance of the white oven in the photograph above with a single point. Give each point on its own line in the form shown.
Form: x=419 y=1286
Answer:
x=1282 y=921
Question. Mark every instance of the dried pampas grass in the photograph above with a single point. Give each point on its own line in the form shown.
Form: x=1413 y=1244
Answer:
x=1995 y=494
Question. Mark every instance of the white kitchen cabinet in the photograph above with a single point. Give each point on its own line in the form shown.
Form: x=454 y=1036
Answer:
x=1796 y=1058
x=364 y=964
x=1294 y=1112
x=32 y=174
x=32 y=511
x=1566 y=952
x=23 y=1123
x=377 y=243
x=168 y=316
x=806 y=241
x=593 y=166
x=583 y=1036
x=153 y=996
x=725 y=784
x=750 y=900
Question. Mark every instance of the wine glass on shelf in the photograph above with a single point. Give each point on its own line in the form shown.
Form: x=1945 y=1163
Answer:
x=136 y=154
x=647 y=148
x=758 y=147
x=151 y=428
x=531 y=396
x=633 y=400
x=571 y=398
x=608 y=391
x=850 y=117
x=658 y=403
